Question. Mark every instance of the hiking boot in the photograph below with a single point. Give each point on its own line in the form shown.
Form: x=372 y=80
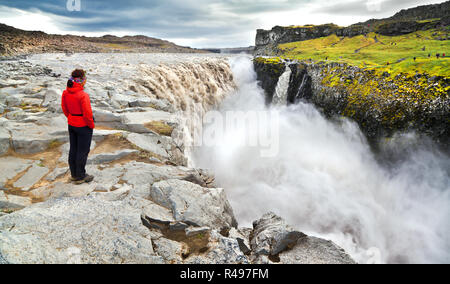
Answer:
x=86 y=179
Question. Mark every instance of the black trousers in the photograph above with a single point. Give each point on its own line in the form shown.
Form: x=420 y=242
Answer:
x=80 y=146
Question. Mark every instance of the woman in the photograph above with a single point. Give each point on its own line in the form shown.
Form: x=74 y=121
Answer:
x=76 y=106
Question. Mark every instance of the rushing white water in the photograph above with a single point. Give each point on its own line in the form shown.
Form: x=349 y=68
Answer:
x=281 y=91
x=326 y=182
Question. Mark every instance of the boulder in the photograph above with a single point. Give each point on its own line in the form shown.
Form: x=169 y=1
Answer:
x=274 y=241
x=118 y=99
x=221 y=250
x=311 y=250
x=28 y=249
x=193 y=204
x=141 y=176
x=271 y=235
x=52 y=100
x=16 y=115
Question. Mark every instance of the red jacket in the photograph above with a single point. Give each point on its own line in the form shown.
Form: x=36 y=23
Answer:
x=76 y=102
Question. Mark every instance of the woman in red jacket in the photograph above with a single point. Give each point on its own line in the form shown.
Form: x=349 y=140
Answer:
x=76 y=106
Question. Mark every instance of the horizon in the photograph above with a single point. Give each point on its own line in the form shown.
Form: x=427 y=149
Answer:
x=210 y=24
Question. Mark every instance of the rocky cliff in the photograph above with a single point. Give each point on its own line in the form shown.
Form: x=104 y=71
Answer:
x=382 y=105
x=388 y=75
x=17 y=42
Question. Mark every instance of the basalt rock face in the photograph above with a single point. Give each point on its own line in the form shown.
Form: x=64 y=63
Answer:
x=381 y=105
x=406 y=27
x=266 y=41
x=300 y=84
x=424 y=12
x=268 y=73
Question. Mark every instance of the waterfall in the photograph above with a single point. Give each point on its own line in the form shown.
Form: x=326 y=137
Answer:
x=281 y=91
x=302 y=92
x=192 y=88
x=326 y=181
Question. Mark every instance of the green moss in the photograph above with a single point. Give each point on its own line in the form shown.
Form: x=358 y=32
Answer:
x=428 y=21
x=54 y=144
x=160 y=127
x=268 y=60
x=392 y=54
x=395 y=100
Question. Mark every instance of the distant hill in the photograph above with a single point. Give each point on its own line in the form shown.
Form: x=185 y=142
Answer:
x=235 y=50
x=16 y=42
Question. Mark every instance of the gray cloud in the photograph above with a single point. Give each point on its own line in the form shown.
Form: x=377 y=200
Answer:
x=369 y=8
x=210 y=23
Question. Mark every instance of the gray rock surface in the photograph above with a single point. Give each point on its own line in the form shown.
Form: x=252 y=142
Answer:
x=149 y=142
x=4 y=141
x=271 y=235
x=272 y=240
x=57 y=173
x=12 y=166
x=52 y=100
x=186 y=200
x=102 y=231
x=311 y=250
x=30 y=138
x=31 y=177
x=63 y=190
x=221 y=250
x=13 y=202
x=110 y=157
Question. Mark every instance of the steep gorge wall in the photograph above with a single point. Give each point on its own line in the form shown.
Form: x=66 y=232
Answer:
x=381 y=105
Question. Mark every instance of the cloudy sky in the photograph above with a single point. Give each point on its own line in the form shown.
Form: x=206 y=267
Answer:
x=195 y=23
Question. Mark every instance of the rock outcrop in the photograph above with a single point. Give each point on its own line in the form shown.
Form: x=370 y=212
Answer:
x=381 y=105
x=273 y=241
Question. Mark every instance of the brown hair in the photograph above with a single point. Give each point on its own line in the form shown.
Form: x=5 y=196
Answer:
x=77 y=73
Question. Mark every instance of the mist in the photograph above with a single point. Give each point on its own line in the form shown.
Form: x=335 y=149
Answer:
x=326 y=181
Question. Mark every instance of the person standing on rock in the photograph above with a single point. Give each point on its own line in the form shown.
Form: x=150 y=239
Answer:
x=76 y=106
